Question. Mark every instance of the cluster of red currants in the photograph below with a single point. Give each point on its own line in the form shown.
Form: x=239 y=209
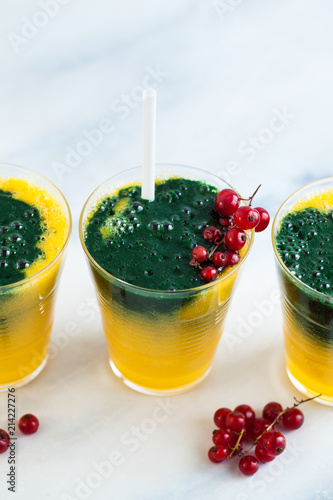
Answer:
x=234 y=221
x=28 y=424
x=241 y=425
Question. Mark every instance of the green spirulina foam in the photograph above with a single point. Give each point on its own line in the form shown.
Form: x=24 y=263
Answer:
x=304 y=243
x=20 y=231
x=149 y=243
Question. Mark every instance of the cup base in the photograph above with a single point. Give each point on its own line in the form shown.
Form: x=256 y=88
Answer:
x=25 y=380
x=301 y=388
x=155 y=392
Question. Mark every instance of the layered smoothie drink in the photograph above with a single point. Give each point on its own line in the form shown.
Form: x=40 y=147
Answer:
x=302 y=238
x=162 y=322
x=35 y=225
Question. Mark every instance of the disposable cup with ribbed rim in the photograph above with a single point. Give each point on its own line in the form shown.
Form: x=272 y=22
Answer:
x=27 y=306
x=160 y=342
x=307 y=315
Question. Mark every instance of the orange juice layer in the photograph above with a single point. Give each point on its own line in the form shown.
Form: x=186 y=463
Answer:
x=309 y=363
x=167 y=352
x=26 y=309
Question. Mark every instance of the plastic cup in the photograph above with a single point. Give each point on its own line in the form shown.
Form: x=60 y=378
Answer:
x=160 y=342
x=27 y=306
x=307 y=316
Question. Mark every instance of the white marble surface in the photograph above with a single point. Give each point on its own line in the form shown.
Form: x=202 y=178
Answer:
x=225 y=71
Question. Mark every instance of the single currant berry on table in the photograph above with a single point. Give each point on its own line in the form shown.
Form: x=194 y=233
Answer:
x=248 y=413
x=262 y=454
x=221 y=436
x=227 y=202
x=246 y=217
x=235 y=421
x=258 y=426
x=199 y=254
x=218 y=453
x=212 y=234
x=292 y=419
x=263 y=220
x=226 y=221
x=28 y=424
x=235 y=238
x=220 y=416
x=4 y=441
x=248 y=465
x=273 y=442
x=271 y=411
x=208 y=273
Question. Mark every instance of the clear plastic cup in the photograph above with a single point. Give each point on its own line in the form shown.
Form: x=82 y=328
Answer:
x=27 y=306
x=307 y=315
x=160 y=342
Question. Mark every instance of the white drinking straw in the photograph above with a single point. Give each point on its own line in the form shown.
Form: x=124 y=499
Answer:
x=149 y=133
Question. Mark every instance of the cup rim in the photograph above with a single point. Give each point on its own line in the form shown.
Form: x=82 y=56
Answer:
x=297 y=281
x=24 y=281
x=136 y=288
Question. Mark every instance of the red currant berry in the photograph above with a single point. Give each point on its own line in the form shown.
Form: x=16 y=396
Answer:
x=273 y=442
x=271 y=411
x=226 y=221
x=248 y=465
x=208 y=273
x=199 y=253
x=264 y=220
x=235 y=421
x=232 y=446
x=235 y=238
x=227 y=202
x=248 y=413
x=28 y=424
x=4 y=441
x=219 y=417
x=262 y=454
x=218 y=453
x=258 y=426
x=233 y=257
x=292 y=419
x=246 y=217
x=212 y=234
x=220 y=259
x=221 y=436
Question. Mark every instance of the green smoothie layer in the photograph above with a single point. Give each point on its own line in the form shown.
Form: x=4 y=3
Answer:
x=20 y=231
x=304 y=243
x=149 y=244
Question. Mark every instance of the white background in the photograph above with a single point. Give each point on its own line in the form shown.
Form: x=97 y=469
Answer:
x=223 y=71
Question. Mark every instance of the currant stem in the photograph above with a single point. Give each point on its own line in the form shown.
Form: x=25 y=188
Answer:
x=299 y=402
x=237 y=443
x=277 y=418
x=251 y=197
x=194 y=263
x=215 y=248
